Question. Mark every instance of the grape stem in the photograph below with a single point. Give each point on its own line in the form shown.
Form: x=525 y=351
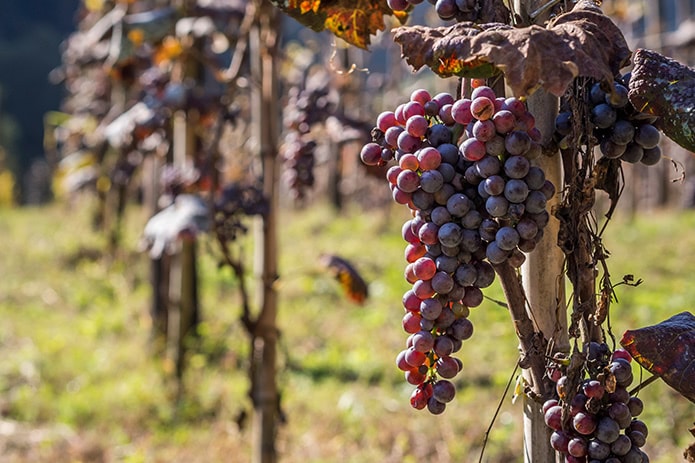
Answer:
x=499 y=407
x=531 y=340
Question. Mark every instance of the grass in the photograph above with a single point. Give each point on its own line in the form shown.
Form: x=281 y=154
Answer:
x=75 y=359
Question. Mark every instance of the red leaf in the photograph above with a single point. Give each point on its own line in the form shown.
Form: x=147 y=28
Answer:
x=666 y=88
x=582 y=42
x=354 y=21
x=667 y=350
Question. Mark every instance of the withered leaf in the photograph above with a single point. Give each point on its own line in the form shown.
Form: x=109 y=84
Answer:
x=667 y=350
x=582 y=42
x=665 y=88
x=354 y=21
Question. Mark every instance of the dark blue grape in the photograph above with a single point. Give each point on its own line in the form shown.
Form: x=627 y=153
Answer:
x=449 y=152
x=486 y=274
x=443 y=195
x=450 y=235
x=458 y=205
x=596 y=94
x=461 y=329
x=435 y=407
x=612 y=150
x=495 y=254
x=607 y=430
x=603 y=116
x=442 y=283
x=497 y=206
x=446 y=263
x=440 y=215
x=535 y=178
x=535 y=202
x=471 y=241
x=516 y=167
x=438 y=134
x=431 y=181
x=495 y=146
x=488 y=166
x=423 y=200
x=621 y=445
x=622 y=132
x=494 y=185
x=651 y=156
x=466 y=274
x=563 y=123
x=617 y=98
x=443 y=391
x=448 y=171
x=633 y=153
x=488 y=229
x=507 y=238
x=471 y=220
x=516 y=191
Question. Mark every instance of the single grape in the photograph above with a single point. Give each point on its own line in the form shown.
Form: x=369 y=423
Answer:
x=429 y=158
x=603 y=116
x=597 y=449
x=408 y=143
x=443 y=345
x=507 y=238
x=535 y=202
x=495 y=146
x=408 y=181
x=386 y=120
x=438 y=134
x=647 y=136
x=535 y=178
x=577 y=447
x=458 y=205
x=435 y=407
x=596 y=94
x=391 y=135
x=553 y=418
x=431 y=181
x=516 y=167
x=584 y=423
x=517 y=142
x=497 y=206
x=430 y=308
x=618 y=97
x=423 y=341
x=651 y=156
x=611 y=150
x=461 y=329
x=417 y=126
x=446 y=9
x=450 y=153
x=622 y=132
x=487 y=166
x=447 y=367
x=471 y=220
x=472 y=149
x=559 y=441
x=504 y=121
x=420 y=396
x=621 y=445
x=413 y=108
x=473 y=297
x=371 y=154
x=398 y=5
x=494 y=185
x=420 y=95
x=516 y=191
x=461 y=111
x=563 y=123
x=450 y=234
x=486 y=274
x=466 y=275
x=445 y=115
x=607 y=430
x=482 y=108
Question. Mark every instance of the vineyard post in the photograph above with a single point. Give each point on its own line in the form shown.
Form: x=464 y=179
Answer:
x=542 y=272
x=183 y=291
x=264 y=335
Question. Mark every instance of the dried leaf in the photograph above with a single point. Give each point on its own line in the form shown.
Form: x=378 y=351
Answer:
x=667 y=350
x=352 y=20
x=665 y=88
x=349 y=278
x=583 y=42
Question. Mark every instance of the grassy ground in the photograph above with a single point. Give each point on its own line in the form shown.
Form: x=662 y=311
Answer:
x=78 y=381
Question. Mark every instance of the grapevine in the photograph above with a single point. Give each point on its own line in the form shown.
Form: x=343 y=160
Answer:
x=463 y=168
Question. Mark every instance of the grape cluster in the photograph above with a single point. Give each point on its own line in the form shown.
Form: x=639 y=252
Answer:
x=309 y=103
x=461 y=10
x=463 y=167
x=596 y=421
x=621 y=131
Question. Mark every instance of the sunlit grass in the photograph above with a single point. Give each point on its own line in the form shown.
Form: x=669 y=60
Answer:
x=74 y=344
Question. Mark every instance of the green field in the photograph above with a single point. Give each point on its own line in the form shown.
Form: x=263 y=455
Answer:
x=78 y=382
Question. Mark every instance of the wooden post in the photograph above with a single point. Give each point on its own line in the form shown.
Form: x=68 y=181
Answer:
x=542 y=272
x=264 y=74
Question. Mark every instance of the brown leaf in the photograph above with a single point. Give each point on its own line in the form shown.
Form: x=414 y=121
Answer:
x=582 y=42
x=663 y=87
x=667 y=350
x=354 y=21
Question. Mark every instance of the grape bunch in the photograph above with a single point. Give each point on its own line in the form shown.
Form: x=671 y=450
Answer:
x=622 y=132
x=596 y=421
x=463 y=167
x=461 y=10
x=309 y=102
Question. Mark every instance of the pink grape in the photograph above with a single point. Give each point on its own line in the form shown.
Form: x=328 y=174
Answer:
x=584 y=423
x=445 y=114
x=424 y=268
x=414 y=358
x=553 y=418
x=485 y=91
x=409 y=162
x=391 y=135
x=423 y=290
x=516 y=106
x=414 y=377
x=429 y=158
x=385 y=120
x=411 y=322
x=482 y=108
x=443 y=98
x=461 y=111
x=410 y=301
x=420 y=95
x=413 y=108
x=472 y=149
x=504 y=121
x=408 y=181
x=401 y=197
x=371 y=154
x=408 y=143
x=392 y=174
x=484 y=130
x=400 y=116
x=417 y=126
x=414 y=251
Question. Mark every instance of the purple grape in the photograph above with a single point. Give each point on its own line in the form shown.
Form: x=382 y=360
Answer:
x=516 y=167
x=527 y=228
x=423 y=341
x=448 y=172
x=450 y=153
x=516 y=191
x=553 y=418
x=461 y=111
x=577 y=447
x=439 y=134
x=408 y=143
x=443 y=391
x=473 y=297
x=484 y=131
x=442 y=283
x=621 y=445
x=559 y=441
x=458 y=205
x=517 y=143
x=398 y=5
x=430 y=308
x=450 y=234
x=633 y=153
x=443 y=195
x=548 y=190
x=431 y=181
x=486 y=274
x=495 y=146
x=466 y=275
x=422 y=200
x=635 y=405
x=443 y=345
x=535 y=202
x=651 y=156
x=622 y=132
x=495 y=254
x=597 y=449
x=607 y=430
x=535 y=178
x=447 y=367
x=488 y=229
x=408 y=181
x=603 y=116
x=440 y=215
x=461 y=329
x=488 y=166
x=584 y=423
x=647 y=136
x=371 y=154
x=446 y=9
x=507 y=238
x=637 y=438
x=494 y=185
x=497 y=206
x=435 y=407
x=611 y=150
